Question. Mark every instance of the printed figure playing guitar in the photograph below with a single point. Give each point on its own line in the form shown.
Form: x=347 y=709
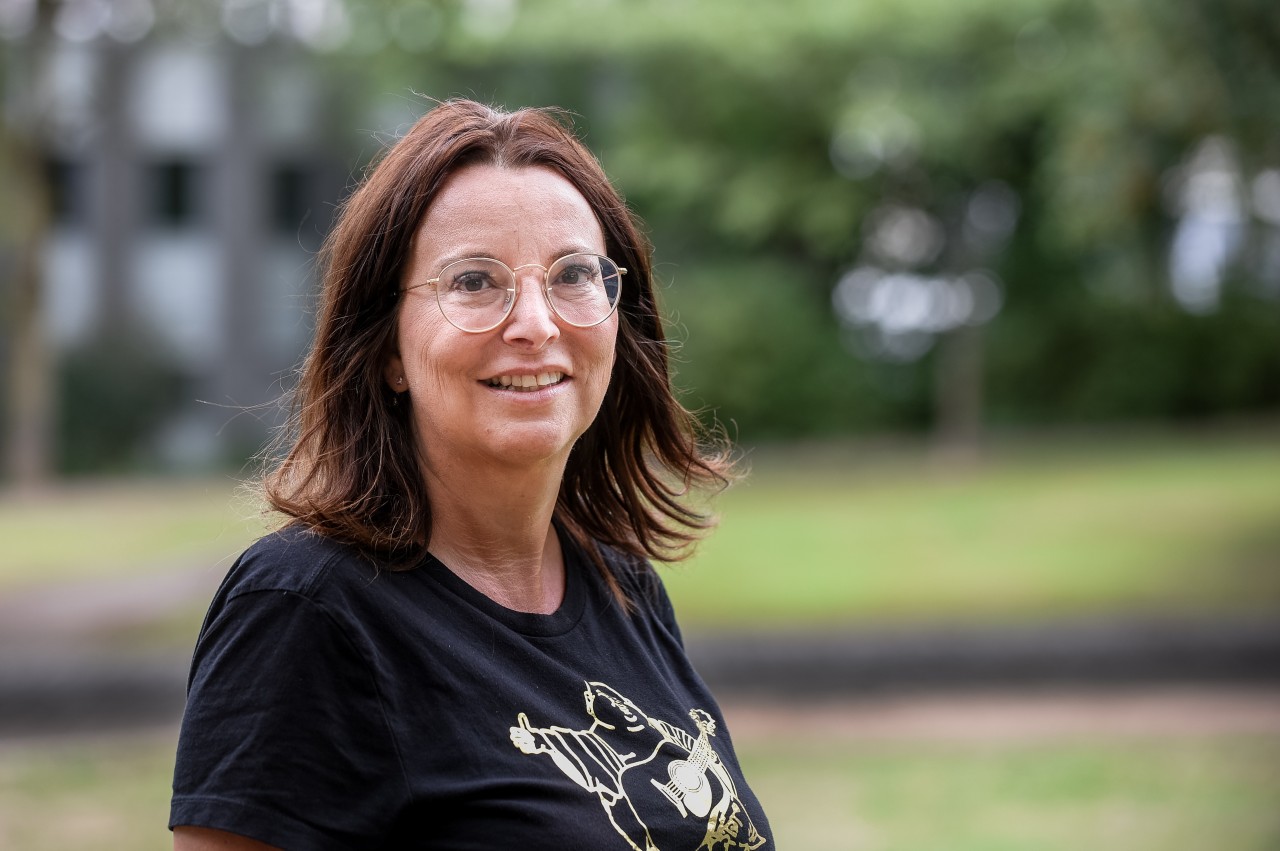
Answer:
x=617 y=757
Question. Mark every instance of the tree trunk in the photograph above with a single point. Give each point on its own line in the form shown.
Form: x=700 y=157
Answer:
x=32 y=380
x=958 y=394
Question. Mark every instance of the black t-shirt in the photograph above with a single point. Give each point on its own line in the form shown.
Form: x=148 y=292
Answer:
x=333 y=705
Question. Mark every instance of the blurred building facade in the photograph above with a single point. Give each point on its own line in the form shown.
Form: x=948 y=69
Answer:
x=191 y=188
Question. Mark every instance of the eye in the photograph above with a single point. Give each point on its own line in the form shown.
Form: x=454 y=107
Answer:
x=575 y=275
x=472 y=281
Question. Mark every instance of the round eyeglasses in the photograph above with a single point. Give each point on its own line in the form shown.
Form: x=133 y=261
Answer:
x=477 y=294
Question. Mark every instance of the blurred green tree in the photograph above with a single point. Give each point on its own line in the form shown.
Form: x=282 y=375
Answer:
x=894 y=215
x=1113 y=165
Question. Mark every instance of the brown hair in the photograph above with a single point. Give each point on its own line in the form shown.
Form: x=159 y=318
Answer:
x=350 y=467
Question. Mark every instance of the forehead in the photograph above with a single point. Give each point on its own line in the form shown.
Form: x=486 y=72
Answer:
x=489 y=209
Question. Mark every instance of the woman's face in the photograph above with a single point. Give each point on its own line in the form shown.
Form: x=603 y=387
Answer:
x=461 y=384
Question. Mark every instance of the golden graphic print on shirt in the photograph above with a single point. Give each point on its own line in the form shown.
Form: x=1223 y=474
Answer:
x=625 y=756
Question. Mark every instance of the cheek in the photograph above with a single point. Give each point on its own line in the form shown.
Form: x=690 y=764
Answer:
x=603 y=358
x=420 y=345
x=609 y=347
x=603 y=374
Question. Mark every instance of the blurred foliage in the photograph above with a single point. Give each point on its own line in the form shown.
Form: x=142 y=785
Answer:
x=763 y=353
x=764 y=146
x=113 y=391
x=758 y=144
x=1115 y=362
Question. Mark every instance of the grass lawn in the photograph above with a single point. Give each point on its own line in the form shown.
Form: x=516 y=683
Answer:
x=835 y=537
x=840 y=535
x=1133 y=794
x=1139 y=795
x=113 y=528
x=86 y=794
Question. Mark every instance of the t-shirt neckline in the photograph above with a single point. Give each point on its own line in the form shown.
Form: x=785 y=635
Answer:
x=560 y=621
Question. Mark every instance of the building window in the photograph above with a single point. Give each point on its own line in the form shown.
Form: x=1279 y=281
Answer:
x=290 y=197
x=174 y=194
x=65 y=182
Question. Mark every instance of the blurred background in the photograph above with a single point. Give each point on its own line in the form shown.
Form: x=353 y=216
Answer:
x=987 y=293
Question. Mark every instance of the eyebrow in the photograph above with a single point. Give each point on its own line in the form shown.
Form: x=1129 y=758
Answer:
x=576 y=248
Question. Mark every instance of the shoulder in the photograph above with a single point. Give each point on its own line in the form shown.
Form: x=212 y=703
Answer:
x=634 y=573
x=640 y=582
x=297 y=560
x=291 y=592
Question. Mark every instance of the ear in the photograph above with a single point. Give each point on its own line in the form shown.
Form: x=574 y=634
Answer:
x=393 y=373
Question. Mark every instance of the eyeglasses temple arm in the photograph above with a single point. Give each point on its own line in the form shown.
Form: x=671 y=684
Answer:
x=418 y=286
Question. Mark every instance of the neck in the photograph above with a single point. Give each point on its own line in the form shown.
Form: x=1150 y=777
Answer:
x=493 y=529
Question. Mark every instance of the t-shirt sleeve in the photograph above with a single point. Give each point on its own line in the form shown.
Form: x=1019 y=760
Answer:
x=284 y=738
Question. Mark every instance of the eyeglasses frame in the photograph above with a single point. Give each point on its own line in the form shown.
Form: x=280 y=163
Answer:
x=546 y=294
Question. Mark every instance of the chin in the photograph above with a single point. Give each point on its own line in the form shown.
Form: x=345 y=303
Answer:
x=532 y=444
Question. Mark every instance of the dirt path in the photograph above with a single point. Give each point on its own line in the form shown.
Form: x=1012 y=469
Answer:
x=59 y=624
x=1004 y=718
x=83 y=607
x=1017 y=716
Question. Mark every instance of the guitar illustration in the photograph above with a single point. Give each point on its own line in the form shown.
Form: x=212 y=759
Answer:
x=688 y=788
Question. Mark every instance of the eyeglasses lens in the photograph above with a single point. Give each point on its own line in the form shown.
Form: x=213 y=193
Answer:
x=583 y=288
x=477 y=294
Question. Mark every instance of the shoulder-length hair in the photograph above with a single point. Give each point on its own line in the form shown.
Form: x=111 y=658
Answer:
x=349 y=464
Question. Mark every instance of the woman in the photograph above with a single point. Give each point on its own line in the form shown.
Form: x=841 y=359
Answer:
x=457 y=640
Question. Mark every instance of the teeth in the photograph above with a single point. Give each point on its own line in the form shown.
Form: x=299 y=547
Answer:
x=520 y=382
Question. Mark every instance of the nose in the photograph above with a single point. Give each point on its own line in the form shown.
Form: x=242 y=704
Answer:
x=531 y=323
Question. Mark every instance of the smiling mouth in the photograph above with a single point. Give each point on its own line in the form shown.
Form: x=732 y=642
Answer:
x=526 y=383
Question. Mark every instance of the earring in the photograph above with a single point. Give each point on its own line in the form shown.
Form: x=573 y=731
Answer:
x=400 y=381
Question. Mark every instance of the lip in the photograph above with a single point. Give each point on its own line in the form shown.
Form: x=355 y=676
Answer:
x=528 y=399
